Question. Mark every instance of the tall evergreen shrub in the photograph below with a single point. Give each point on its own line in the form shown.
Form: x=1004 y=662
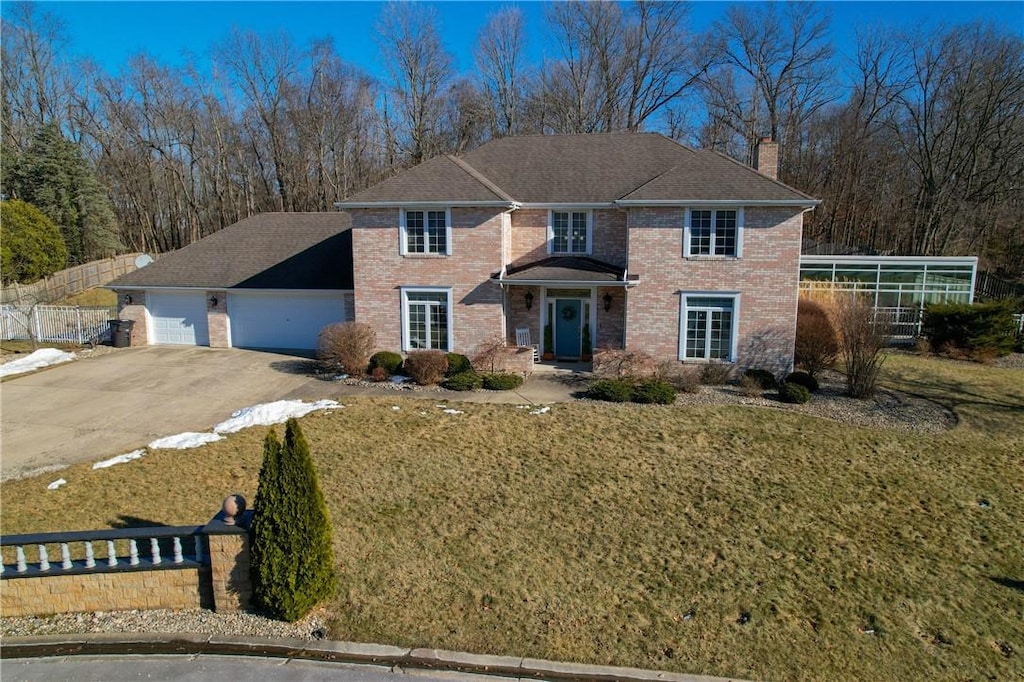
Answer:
x=292 y=556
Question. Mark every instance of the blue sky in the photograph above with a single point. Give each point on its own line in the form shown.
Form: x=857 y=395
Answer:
x=111 y=32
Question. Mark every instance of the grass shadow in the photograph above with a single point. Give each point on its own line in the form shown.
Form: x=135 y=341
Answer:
x=128 y=521
x=1008 y=582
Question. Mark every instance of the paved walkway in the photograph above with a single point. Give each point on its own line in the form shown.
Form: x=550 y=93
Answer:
x=112 y=404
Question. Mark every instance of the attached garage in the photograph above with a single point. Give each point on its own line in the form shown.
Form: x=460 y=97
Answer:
x=178 y=318
x=285 y=320
x=270 y=281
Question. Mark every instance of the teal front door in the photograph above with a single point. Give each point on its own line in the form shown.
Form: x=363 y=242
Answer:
x=567 y=327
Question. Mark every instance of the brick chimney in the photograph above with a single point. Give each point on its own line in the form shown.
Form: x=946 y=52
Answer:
x=766 y=158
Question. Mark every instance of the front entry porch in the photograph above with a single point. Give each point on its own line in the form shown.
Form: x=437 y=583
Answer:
x=568 y=307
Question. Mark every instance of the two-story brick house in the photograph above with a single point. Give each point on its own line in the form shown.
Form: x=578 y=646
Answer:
x=620 y=240
x=628 y=240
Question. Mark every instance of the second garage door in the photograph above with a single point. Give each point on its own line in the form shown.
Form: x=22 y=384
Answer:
x=285 y=320
x=178 y=318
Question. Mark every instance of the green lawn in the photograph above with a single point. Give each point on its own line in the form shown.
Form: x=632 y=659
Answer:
x=719 y=540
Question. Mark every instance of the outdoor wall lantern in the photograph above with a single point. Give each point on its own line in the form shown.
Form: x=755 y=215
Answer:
x=529 y=299
x=607 y=302
x=213 y=301
x=127 y=299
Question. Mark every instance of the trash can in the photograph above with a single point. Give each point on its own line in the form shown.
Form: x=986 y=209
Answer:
x=121 y=333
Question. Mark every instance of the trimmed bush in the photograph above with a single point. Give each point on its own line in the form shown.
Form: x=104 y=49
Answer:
x=292 y=557
x=684 y=378
x=654 y=392
x=611 y=390
x=387 y=360
x=751 y=387
x=982 y=329
x=463 y=381
x=817 y=342
x=794 y=393
x=803 y=379
x=458 y=363
x=426 y=367
x=346 y=347
x=763 y=377
x=619 y=363
x=716 y=374
x=501 y=381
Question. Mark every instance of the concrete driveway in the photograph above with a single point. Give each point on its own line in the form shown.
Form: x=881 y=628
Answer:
x=108 y=405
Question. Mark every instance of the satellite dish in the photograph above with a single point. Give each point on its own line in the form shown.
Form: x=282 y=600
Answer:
x=143 y=260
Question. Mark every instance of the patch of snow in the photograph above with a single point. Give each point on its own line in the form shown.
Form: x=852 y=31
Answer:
x=184 y=441
x=56 y=484
x=271 y=413
x=398 y=379
x=339 y=377
x=396 y=408
x=44 y=357
x=451 y=411
x=120 y=459
x=541 y=410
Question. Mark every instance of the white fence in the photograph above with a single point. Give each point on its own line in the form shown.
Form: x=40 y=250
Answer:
x=52 y=323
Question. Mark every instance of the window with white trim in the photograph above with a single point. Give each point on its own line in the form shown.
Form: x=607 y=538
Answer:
x=426 y=232
x=426 y=315
x=708 y=328
x=570 y=232
x=713 y=232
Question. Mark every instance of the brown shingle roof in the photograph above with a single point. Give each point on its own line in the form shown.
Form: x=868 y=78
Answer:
x=566 y=269
x=710 y=176
x=265 y=251
x=576 y=168
x=439 y=179
x=586 y=169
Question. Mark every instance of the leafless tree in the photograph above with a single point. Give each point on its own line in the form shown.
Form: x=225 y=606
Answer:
x=774 y=74
x=421 y=71
x=499 y=61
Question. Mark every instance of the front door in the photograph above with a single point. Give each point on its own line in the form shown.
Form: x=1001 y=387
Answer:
x=568 y=323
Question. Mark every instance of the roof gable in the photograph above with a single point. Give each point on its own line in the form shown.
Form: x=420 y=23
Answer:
x=441 y=178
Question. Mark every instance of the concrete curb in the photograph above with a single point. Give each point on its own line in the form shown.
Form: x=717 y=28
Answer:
x=327 y=651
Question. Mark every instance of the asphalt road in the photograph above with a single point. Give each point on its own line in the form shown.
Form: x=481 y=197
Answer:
x=202 y=667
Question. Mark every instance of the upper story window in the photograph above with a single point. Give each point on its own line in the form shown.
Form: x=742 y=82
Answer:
x=570 y=232
x=427 y=232
x=714 y=232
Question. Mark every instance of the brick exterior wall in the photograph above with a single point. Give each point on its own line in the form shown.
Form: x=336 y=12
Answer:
x=164 y=589
x=611 y=325
x=645 y=317
x=229 y=572
x=766 y=277
x=136 y=312
x=217 y=320
x=530 y=236
x=381 y=271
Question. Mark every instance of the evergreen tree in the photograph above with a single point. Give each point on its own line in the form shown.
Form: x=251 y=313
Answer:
x=30 y=244
x=53 y=175
x=292 y=556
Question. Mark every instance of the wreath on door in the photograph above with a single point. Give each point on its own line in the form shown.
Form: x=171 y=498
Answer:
x=568 y=313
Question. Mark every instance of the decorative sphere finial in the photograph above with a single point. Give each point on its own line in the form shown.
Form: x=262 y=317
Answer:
x=233 y=507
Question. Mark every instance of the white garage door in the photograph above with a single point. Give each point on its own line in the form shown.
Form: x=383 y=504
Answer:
x=178 y=318
x=286 y=320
